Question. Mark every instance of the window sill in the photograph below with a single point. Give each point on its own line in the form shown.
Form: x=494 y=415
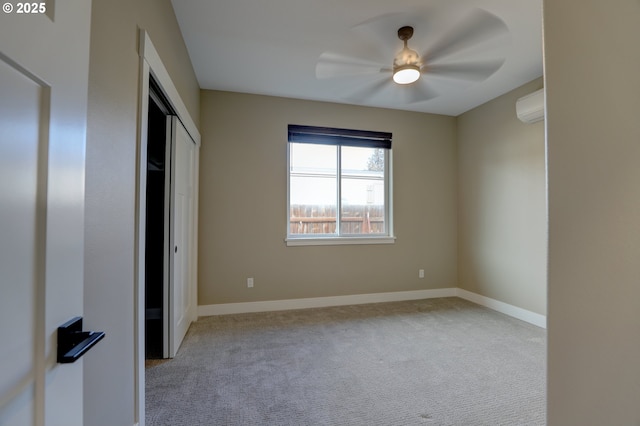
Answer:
x=338 y=241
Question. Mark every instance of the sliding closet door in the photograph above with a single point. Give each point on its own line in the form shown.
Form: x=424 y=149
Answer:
x=182 y=306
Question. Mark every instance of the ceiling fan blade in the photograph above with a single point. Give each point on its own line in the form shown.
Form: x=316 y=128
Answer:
x=479 y=26
x=369 y=90
x=332 y=65
x=419 y=91
x=472 y=71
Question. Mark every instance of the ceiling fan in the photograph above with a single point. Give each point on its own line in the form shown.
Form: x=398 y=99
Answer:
x=469 y=49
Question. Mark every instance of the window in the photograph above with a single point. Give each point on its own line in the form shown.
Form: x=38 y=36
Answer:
x=339 y=187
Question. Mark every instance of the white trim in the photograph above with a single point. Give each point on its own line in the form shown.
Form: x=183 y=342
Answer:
x=337 y=241
x=148 y=53
x=139 y=287
x=505 y=308
x=321 y=302
x=357 y=299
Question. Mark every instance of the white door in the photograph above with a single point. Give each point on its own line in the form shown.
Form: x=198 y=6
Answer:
x=182 y=308
x=43 y=100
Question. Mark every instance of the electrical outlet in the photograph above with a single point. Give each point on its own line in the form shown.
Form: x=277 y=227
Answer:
x=250 y=282
x=421 y=273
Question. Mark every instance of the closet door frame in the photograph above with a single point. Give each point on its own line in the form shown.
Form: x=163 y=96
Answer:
x=151 y=65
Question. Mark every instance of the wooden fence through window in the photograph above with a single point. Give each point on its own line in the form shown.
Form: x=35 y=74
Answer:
x=320 y=219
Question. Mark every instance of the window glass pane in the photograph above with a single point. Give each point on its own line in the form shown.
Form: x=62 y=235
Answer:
x=363 y=191
x=313 y=188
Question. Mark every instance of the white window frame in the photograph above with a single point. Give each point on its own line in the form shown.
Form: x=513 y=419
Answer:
x=346 y=239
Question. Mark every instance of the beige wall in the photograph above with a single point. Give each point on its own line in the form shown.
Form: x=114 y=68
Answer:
x=111 y=190
x=243 y=204
x=592 y=69
x=502 y=226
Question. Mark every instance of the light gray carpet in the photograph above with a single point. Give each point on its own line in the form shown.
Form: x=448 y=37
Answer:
x=427 y=362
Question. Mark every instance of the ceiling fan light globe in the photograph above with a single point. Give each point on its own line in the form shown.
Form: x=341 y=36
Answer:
x=406 y=74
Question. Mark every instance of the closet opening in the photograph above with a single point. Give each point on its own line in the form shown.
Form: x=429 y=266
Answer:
x=157 y=225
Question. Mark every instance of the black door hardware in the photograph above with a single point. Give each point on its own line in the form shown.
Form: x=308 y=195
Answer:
x=73 y=342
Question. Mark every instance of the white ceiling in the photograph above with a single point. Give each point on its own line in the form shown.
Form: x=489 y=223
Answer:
x=271 y=47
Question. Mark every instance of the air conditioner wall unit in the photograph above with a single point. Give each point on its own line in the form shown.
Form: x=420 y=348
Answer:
x=530 y=108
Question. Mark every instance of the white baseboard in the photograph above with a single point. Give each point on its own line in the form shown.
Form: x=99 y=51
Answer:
x=505 y=308
x=358 y=299
x=322 y=302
